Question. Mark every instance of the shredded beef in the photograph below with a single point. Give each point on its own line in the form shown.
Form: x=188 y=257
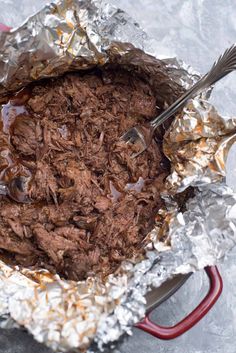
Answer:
x=77 y=203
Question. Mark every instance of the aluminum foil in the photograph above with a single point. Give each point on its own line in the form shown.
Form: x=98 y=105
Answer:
x=67 y=315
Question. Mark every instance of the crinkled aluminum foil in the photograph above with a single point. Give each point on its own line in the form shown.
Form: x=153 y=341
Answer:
x=69 y=315
x=197 y=144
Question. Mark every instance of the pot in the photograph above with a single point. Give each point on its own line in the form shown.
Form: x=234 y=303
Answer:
x=159 y=295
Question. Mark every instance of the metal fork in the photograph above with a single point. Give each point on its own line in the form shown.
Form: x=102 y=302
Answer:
x=222 y=67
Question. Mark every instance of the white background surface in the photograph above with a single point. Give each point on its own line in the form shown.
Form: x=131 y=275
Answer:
x=197 y=31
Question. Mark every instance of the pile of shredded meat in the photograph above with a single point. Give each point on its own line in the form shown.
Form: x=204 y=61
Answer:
x=73 y=200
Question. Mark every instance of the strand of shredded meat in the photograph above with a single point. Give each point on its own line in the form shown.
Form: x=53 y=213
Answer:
x=77 y=203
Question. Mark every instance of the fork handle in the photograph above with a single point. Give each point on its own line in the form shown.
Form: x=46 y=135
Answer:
x=222 y=67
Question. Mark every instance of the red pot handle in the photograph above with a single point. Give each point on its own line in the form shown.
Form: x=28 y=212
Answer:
x=166 y=333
